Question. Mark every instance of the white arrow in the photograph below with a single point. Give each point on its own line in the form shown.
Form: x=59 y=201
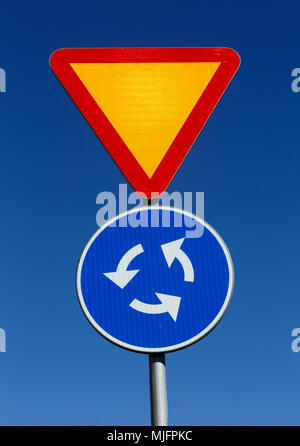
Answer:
x=169 y=304
x=121 y=276
x=172 y=251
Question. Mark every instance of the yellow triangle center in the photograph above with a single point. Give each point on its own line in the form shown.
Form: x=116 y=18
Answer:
x=147 y=103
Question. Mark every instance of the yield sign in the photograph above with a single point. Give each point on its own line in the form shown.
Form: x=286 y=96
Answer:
x=147 y=105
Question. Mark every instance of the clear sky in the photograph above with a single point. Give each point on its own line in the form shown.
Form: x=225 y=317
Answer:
x=57 y=369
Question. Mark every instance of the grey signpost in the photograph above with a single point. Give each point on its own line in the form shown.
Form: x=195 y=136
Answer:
x=158 y=389
x=157 y=376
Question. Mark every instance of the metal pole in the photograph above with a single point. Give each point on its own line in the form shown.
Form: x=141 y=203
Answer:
x=157 y=377
x=158 y=389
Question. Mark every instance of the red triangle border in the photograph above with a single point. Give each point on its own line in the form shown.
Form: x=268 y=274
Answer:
x=229 y=62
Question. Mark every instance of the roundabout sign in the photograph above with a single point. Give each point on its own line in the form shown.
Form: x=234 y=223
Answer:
x=157 y=290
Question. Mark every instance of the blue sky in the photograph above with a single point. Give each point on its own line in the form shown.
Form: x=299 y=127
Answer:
x=57 y=370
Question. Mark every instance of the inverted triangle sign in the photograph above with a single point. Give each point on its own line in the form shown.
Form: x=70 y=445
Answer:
x=147 y=105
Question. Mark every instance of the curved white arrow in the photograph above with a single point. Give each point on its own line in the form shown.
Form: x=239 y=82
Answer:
x=121 y=276
x=172 y=251
x=169 y=304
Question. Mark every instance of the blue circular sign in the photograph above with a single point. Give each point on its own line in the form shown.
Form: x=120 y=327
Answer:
x=155 y=279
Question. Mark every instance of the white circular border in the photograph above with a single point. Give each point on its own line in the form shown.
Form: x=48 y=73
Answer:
x=175 y=347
